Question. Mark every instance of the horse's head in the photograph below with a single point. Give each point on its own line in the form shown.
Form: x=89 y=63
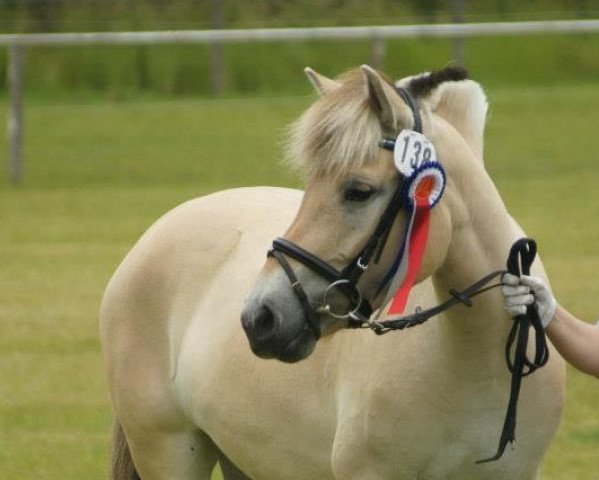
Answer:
x=333 y=264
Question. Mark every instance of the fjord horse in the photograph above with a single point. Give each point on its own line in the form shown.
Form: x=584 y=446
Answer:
x=424 y=403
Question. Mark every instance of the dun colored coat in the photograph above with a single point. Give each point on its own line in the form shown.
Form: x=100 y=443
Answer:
x=424 y=403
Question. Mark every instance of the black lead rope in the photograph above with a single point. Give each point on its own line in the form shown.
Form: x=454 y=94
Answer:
x=521 y=257
x=420 y=316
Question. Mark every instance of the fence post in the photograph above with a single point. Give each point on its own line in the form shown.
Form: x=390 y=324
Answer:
x=377 y=52
x=458 y=8
x=216 y=49
x=15 y=113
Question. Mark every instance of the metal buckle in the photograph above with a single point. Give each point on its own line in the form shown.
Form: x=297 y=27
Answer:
x=360 y=265
x=327 y=308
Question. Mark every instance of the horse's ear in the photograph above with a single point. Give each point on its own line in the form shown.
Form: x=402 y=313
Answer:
x=380 y=94
x=323 y=85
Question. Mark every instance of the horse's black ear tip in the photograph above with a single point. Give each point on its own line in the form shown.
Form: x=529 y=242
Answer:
x=457 y=73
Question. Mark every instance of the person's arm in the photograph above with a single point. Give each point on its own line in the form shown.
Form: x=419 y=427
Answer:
x=575 y=340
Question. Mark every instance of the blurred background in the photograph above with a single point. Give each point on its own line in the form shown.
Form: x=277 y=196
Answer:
x=191 y=70
x=114 y=136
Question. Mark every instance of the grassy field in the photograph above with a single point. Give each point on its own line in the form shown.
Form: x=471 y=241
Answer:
x=98 y=174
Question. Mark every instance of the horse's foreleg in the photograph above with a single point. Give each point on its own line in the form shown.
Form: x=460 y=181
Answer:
x=184 y=455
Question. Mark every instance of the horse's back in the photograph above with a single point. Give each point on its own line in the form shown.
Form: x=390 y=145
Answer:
x=195 y=238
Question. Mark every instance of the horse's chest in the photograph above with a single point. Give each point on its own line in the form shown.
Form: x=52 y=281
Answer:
x=418 y=449
x=428 y=434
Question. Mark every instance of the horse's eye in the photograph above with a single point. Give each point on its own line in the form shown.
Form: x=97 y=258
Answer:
x=357 y=193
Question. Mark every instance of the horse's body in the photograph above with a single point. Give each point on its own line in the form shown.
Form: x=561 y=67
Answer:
x=424 y=403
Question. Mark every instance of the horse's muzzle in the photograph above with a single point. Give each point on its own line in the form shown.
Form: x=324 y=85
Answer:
x=261 y=330
x=268 y=338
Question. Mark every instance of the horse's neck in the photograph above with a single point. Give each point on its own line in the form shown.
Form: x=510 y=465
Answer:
x=479 y=246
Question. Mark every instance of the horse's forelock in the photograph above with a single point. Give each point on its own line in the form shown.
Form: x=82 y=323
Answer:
x=338 y=132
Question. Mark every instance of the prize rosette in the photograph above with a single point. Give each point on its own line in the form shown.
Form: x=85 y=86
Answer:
x=423 y=188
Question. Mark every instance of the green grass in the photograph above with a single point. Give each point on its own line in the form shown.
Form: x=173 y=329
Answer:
x=208 y=143
x=98 y=174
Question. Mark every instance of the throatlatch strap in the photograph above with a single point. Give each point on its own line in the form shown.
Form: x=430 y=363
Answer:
x=520 y=259
x=409 y=99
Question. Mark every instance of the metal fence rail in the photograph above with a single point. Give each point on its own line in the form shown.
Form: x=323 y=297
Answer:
x=294 y=34
x=18 y=42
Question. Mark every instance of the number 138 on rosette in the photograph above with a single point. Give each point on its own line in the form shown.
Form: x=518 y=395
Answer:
x=412 y=149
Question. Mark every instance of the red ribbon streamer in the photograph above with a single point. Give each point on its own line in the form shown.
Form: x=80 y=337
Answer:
x=417 y=245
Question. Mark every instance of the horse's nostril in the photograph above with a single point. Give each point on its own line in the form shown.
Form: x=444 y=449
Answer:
x=261 y=330
x=264 y=324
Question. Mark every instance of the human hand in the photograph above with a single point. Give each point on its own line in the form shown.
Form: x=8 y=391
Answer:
x=519 y=292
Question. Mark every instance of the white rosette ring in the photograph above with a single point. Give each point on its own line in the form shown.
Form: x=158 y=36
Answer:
x=426 y=182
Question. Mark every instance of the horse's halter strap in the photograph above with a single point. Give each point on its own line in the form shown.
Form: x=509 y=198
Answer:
x=346 y=280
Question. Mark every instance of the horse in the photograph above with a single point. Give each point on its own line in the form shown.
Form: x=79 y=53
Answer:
x=278 y=396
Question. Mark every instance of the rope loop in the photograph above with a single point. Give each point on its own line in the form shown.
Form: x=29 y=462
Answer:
x=520 y=259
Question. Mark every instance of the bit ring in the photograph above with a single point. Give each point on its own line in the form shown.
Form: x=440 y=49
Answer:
x=327 y=307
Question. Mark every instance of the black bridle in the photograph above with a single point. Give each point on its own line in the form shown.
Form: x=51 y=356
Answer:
x=520 y=259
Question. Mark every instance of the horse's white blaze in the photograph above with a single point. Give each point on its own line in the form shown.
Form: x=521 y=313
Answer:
x=422 y=403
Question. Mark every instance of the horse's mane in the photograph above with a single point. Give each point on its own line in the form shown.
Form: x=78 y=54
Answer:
x=460 y=101
x=422 y=85
x=340 y=131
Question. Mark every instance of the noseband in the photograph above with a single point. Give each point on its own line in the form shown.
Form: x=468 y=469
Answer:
x=347 y=279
